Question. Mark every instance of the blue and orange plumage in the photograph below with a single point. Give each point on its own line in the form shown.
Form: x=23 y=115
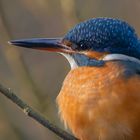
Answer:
x=100 y=97
x=101 y=103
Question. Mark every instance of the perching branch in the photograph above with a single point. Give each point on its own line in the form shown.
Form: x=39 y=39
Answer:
x=35 y=115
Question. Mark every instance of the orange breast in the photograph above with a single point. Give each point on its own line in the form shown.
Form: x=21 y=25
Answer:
x=99 y=103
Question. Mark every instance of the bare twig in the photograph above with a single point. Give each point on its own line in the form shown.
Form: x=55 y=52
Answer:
x=35 y=115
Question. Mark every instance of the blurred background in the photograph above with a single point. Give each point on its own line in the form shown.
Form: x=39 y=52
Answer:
x=37 y=76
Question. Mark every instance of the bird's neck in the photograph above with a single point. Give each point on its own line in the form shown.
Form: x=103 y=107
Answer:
x=76 y=61
x=80 y=60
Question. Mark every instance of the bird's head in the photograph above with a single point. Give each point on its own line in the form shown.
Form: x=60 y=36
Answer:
x=91 y=43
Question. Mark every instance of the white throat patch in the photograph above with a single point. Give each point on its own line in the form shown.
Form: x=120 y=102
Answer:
x=71 y=60
x=109 y=57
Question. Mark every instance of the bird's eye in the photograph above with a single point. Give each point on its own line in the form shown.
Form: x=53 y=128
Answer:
x=82 y=46
x=79 y=46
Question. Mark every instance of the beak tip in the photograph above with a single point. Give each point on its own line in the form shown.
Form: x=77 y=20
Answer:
x=10 y=42
x=17 y=43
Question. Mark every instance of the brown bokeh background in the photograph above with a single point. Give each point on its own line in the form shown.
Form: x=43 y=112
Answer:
x=37 y=76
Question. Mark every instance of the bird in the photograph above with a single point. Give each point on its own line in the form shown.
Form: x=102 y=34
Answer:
x=100 y=96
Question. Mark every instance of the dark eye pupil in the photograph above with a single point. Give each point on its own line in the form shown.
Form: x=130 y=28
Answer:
x=82 y=46
x=79 y=46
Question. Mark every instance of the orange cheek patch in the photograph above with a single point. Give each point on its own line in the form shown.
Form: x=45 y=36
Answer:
x=93 y=54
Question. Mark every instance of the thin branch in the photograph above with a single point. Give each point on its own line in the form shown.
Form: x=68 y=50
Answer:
x=35 y=115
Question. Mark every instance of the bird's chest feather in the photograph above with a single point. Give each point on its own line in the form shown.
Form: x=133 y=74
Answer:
x=100 y=103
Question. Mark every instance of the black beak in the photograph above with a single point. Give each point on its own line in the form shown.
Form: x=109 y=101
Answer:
x=48 y=44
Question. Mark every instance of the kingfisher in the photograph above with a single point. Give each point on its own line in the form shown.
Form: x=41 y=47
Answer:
x=100 y=96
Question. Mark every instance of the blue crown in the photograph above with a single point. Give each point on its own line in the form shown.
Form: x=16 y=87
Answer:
x=105 y=35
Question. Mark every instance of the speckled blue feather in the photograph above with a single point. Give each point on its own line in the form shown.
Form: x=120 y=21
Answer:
x=105 y=35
